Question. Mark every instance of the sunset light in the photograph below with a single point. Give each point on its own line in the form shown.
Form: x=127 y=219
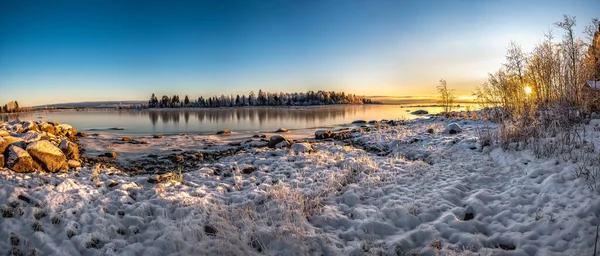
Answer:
x=299 y=127
x=527 y=90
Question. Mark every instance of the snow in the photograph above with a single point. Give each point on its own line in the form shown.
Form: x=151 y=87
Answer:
x=428 y=194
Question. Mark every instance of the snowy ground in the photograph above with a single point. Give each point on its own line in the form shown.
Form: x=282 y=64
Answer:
x=434 y=194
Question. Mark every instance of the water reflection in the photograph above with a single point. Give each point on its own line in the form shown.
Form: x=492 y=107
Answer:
x=211 y=120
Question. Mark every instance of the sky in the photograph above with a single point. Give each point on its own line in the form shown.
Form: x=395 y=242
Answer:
x=71 y=51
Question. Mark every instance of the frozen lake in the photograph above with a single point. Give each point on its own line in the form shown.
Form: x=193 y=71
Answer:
x=209 y=121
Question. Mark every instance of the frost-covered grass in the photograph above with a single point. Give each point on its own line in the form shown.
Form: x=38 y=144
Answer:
x=430 y=194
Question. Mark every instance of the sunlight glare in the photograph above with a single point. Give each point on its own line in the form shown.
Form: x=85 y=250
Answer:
x=527 y=90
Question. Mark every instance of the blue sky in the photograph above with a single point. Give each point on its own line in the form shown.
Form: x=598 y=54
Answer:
x=67 y=51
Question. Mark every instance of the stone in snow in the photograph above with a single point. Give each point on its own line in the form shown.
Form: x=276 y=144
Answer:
x=74 y=164
x=49 y=156
x=420 y=112
x=282 y=130
x=275 y=140
x=323 y=134
x=282 y=144
x=70 y=149
x=453 y=128
x=302 y=148
x=19 y=160
x=224 y=132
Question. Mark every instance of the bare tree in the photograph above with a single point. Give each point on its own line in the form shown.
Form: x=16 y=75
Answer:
x=446 y=96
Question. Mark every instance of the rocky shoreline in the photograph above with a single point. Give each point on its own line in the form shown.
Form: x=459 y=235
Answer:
x=43 y=146
x=27 y=146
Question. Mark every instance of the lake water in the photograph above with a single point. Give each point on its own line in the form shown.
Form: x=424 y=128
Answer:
x=209 y=121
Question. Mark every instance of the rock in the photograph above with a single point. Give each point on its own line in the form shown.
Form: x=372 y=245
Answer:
x=248 y=169
x=62 y=128
x=255 y=136
x=373 y=122
x=359 y=122
x=70 y=149
x=19 y=160
x=452 y=128
x=81 y=134
x=283 y=144
x=282 y=130
x=323 y=134
x=74 y=164
x=302 y=148
x=10 y=140
x=430 y=130
x=420 y=112
x=157 y=136
x=116 y=129
x=276 y=139
x=3 y=145
x=224 y=132
x=50 y=157
x=126 y=138
x=46 y=127
x=30 y=136
x=4 y=133
x=30 y=126
x=1 y=160
x=110 y=154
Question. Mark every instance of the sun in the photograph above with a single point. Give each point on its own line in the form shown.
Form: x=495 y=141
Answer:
x=527 y=90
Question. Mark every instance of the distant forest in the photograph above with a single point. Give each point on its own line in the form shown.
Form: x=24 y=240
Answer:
x=10 y=107
x=262 y=99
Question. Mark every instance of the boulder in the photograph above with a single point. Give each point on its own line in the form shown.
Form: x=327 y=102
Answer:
x=1 y=160
x=282 y=144
x=4 y=133
x=359 y=122
x=224 y=132
x=323 y=134
x=275 y=140
x=49 y=156
x=74 y=164
x=66 y=130
x=282 y=130
x=19 y=160
x=46 y=127
x=126 y=138
x=453 y=128
x=420 y=112
x=302 y=148
x=70 y=149
x=110 y=154
x=30 y=136
x=3 y=145
x=157 y=136
x=30 y=126
x=10 y=140
x=81 y=134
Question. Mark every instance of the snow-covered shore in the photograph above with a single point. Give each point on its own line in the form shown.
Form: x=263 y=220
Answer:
x=432 y=193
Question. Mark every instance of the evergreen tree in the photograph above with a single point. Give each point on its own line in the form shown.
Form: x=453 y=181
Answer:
x=186 y=101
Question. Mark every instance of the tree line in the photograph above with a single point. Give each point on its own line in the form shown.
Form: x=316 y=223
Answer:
x=260 y=99
x=10 y=107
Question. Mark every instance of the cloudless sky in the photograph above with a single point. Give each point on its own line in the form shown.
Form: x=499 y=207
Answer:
x=69 y=51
